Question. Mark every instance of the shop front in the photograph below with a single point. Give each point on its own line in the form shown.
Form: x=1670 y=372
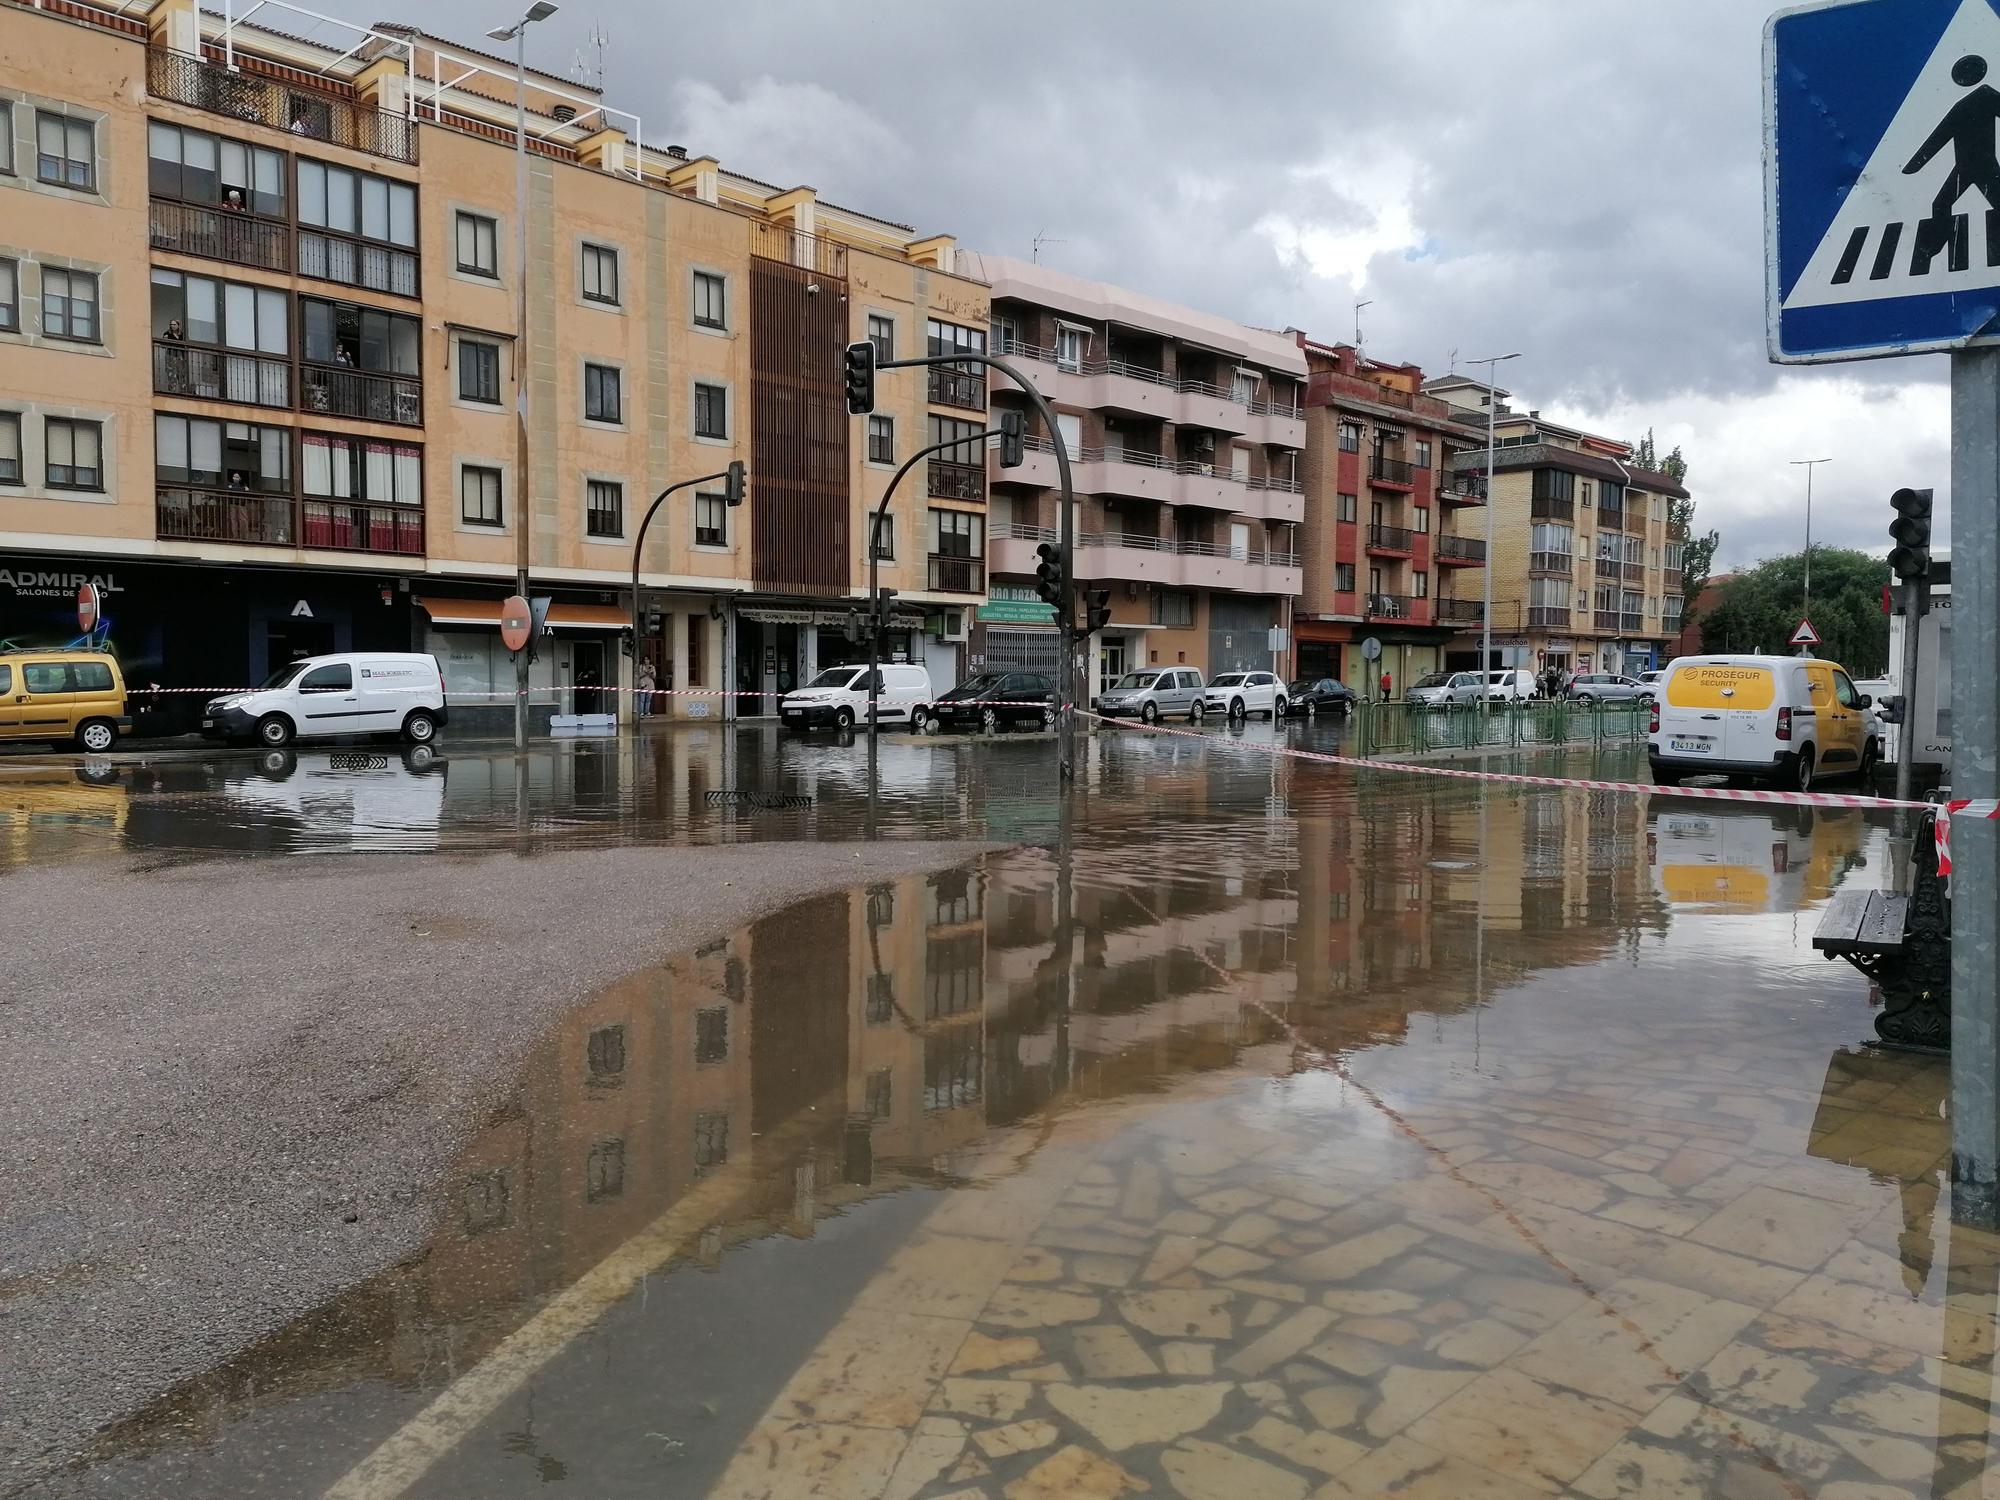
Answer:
x=581 y=664
x=783 y=643
x=1321 y=647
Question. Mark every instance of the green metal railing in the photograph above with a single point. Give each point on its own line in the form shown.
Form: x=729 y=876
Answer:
x=1392 y=729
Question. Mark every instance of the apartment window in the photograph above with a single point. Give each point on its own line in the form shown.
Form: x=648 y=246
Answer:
x=69 y=304
x=10 y=447
x=881 y=440
x=206 y=454
x=1543 y=537
x=710 y=307
x=343 y=333
x=1350 y=437
x=878 y=1006
x=6 y=139
x=479 y=371
x=75 y=453
x=711 y=521
x=1343 y=578
x=1420 y=584
x=1586 y=496
x=600 y=274
x=603 y=398
x=604 y=1054
x=478 y=245
x=1244 y=387
x=479 y=496
x=604 y=508
x=711 y=411
x=1072 y=344
x=1423 y=459
x=65 y=150
x=10 y=295
x=604 y=1170
x=885 y=538
x=1346 y=508
x=711 y=1035
x=882 y=334
x=956 y=533
x=1609 y=546
x=953 y=338
x=711 y=1140
x=346 y=468
x=965 y=448
x=227 y=314
x=1172 y=607
x=1422 y=522
x=880 y=1088
x=351 y=206
x=192 y=166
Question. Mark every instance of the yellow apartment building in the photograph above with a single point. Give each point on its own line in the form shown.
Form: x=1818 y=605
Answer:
x=262 y=354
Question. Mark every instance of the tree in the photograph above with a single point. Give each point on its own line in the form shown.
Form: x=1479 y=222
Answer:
x=1697 y=552
x=1646 y=455
x=1759 y=609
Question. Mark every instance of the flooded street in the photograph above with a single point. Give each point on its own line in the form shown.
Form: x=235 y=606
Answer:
x=1297 y=1132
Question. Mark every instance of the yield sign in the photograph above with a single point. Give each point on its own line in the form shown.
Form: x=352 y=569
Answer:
x=1805 y=635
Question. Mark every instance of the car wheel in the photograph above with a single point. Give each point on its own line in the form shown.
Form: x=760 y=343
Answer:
x=1585 y=698
x=1802 y=769
x=96 y=735
x=1150 y=714
x=920 y=721
x=1237 y=710
x=420 y=728
x=1869 y=755
x=274 y=731
x=1277 y=709
x=1311 y=708
x=989 y=720
x=1196 y=713
x=843 y=719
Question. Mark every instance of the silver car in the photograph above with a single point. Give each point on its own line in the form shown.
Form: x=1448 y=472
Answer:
x=1606 y=687
x=1447 y=689
x=1152 y=693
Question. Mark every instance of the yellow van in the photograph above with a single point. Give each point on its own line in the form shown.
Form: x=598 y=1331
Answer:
x=1786 y=719
x=65 y=697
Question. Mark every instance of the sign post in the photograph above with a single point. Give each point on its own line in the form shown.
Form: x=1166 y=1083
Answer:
x=1805 y=635
x=1882 y=237
x=89 y=607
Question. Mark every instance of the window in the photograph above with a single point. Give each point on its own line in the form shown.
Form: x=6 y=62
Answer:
x=880 y=1087
x=69 y=304
x=10 y=295
x=882 y=334
x=711 y=1140
x=965 y=448
x=1543 y=537
x=1422 y=522
x=352 y=206
x=45 y=677
x=205 y=454
x=10 y=447
x=956 y=533
x=1609 y=546
x=600 y=274
x=342 y=333
x=192 y=166
x=478 y=245
x=879 y=1005
x=881 y=440
x=604 y=1053
x=1346 y=508
x=1587 y=493
x=711 y=411
x=711 y=520
x=603 y=397
x=329 y=679
x=604 y=1170
x=604 y=508
x=710 y=305
x=1554 y=484
x=711 y=1035
x=952 y=338
x=369 y=470
x=1343 y=578
x=95 y=677
x=1420 y=584
x=885 y=538
x=65 y=150
x=6 y=139
x=486 y=1195
x=479 y=496
x=1072 y=344
x=226 y=314
x=74 y=453
x=479 y=371
x=1350 y=437
x=1244 y=387
x=1173 y=608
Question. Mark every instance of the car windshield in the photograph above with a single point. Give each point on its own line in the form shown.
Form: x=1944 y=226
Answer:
x=1303 y=685
x=1227 y=679
x=1436 y=679
x=282 y=676
x=1133 y=682
x=835 y=677
x=974 y=687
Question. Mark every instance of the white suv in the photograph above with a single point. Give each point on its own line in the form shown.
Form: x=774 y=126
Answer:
x=1240 y=694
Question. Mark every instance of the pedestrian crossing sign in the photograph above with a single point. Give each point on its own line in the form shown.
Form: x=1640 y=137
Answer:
x=1882 y=178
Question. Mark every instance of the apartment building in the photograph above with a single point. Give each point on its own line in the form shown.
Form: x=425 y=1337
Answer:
x=1586 y=557
x=1185 y=434
x=260 y=309
x=1393 y=542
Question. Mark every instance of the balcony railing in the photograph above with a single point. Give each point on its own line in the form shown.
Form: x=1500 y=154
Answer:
x=1460 y=611
x=207 y=374
x=958 y=575
x=1266 y=406
x=1632 y=624
x=1548 y=508
x=965 y=389
x=1135 y=542
x=305 y=112
x=1604 y=619
x=356 y=262
x=240 y=239
x=1389 y=606
x=1673 y=580
x=1461 y=549
x=202 y=515
x=343 y=392
x=1129 y=371
x=1547 y=617
x=1635 y=572
x=1391 y=471
x=357 y=526
x=1551 y=564
x=1609 y=519
x=1460 y=488
x=809 y=252
x=1277 y=484
x=950 y=481
x=1389 y=539
x=1136 y=456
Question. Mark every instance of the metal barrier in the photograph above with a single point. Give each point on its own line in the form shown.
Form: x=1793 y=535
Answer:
x=1395 y=729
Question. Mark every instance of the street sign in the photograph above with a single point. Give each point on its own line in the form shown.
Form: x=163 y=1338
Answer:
x=1016 y=612
x=88 y=606
x=1805 y=635
x=1881 y=183
x=1371 y=649
x=515 y=622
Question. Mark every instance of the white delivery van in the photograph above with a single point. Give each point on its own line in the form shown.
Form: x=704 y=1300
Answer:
x=1511 y=685
x=356 y=692
x=839 y=697
x=1784 y=719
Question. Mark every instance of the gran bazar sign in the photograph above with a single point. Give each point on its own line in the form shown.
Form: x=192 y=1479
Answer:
x=32 y=583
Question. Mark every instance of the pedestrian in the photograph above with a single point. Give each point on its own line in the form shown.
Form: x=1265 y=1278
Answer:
x=1386 y=684
x=647 y=682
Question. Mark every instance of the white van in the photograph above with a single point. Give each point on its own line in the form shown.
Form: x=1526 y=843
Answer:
x=838 y=697
x=1511 y=685
x=356 y=692
x=1786 y=719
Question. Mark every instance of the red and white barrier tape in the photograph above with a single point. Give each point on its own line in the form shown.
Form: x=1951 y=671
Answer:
x=1960 y=807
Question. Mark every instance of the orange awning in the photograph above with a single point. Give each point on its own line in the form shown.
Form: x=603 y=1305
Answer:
x=448 y=611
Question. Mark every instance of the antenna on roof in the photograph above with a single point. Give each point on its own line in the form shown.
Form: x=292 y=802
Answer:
x=1357 y=322
x=1041 y=240
x=581 y=68
x=1451 y=362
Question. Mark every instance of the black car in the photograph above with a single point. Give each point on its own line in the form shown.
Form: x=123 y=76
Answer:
x=994 y=699
x=1317 y=695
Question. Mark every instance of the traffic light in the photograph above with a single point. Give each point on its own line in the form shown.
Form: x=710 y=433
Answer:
x=860 y=378
x=1050 y=585
x=851 y=628
x=1890 y=709
x=885 y=599
x=1911 y=558
x=1097 y=611
x=734 y=482
x=1013 y=440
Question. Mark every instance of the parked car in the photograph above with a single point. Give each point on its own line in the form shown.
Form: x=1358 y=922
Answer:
x=1151 y=693
x=1785 y=719
x=356 y=692
x=65 y=697
x=1318 y=695
x=1606 y=687
x=838 y=697
x=1240 y=694
x=993 y=700
x=1446 y=689
x=1511 y=685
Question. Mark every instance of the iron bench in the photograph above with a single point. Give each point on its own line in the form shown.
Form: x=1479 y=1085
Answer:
x=1902 y=943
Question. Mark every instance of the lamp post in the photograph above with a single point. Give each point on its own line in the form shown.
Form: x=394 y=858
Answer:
x=541 y=10
x=1486 y=573
x=1809 y=464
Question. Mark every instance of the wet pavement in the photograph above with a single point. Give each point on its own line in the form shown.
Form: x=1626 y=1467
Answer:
x=1361 y=1135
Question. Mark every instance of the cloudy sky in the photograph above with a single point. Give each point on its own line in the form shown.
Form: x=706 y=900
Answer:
x=1578 y=180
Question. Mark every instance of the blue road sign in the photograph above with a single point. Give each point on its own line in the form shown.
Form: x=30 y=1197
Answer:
x=1882 y=178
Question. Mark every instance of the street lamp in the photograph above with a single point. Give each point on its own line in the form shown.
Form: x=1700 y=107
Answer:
x=1809 y=464
x=1486 y=573
x=541 y=10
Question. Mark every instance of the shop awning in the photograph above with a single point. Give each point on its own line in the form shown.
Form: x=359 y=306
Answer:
x=562 y=616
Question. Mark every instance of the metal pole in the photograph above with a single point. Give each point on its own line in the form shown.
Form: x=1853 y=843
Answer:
x=638 y=547
x=1975 y=772
x=1914 y=601
x=1486 y=572
x=521 y=507
x=1808 y=464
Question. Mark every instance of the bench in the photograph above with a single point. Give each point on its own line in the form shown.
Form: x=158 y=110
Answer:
x=1902 y=943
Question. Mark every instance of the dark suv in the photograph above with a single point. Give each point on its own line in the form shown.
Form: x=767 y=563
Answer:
x=994 y=699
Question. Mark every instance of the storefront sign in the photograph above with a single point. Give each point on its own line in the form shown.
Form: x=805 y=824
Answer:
x=1017 y=612
x=30 y=583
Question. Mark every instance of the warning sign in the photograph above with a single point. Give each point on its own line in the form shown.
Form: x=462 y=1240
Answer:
x=1805 y=635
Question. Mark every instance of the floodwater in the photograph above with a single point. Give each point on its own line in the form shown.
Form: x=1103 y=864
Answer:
x=1351 y=1136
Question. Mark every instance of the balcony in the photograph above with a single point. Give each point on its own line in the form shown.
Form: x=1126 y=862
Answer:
x=203 y=515
x=1460 y=552
x=1396 y=541
x=1634 y=572
x=1550 y=564
x=1392 y=473
x=357 y=262
x=240 y=239
x=1281 y=499
x=1390 y=606
x=206 y=374
x=1277 y=422
x=781 y=242
x=1672 y=583
x=1460 y=489
x=1125 y=557
x=1547 y=617
x=1460 y=611
x=1125 y=471
x=1632 y=624
x=1212 y=486
x=1549 y=508
x=356 y=526
x=957 y=575
x=950 y=481
x=1205 y=404
x=311 y=113
x=339 y=391
x=1605 y=620
x=964 y=389
x=1037 y=467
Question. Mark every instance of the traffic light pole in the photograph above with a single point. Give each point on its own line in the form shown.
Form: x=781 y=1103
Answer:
x=1915 y=602
x=732 y=478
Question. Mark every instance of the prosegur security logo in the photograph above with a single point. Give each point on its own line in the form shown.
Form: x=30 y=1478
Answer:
x=27 y=583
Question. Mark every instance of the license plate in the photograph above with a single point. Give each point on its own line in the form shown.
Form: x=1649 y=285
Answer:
x=795 y=713
x=208 y=723
x=1688 y=747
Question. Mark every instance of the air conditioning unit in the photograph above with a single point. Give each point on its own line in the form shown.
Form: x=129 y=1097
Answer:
x=957 y=625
